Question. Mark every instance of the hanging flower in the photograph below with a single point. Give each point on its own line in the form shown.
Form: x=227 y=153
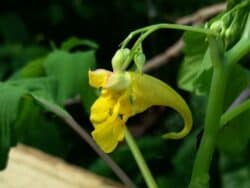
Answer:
x=124 y=94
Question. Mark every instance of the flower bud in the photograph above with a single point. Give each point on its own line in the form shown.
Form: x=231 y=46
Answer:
x=230 y=24
x=139 y=60
x=119 y=58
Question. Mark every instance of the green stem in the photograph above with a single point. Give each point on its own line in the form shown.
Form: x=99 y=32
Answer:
x=238 y=51
x=166 y=26
x=229 y=115
x=140 y=160
x=200 y=174
x=146 y=31
x=242 y=47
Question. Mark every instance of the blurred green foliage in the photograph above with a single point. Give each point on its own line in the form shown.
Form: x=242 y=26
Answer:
x=47 y=48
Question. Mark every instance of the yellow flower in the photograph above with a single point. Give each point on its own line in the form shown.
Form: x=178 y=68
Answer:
x=124 y=94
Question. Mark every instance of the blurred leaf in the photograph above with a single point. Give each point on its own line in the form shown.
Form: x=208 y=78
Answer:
x=84 y=9
x=73 y=42
x=33 y=69
x=234 y=137
x=15 y=56
x=238 y=178
x=9 y=101
x=55 y=13
x=3 y=70
x=35 y=129
x=12 y=28
x=28 y=53
x=70 y=71
x=44 y=86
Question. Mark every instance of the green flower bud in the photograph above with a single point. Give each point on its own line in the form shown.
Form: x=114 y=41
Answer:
x=119 y=58
x=230 y=24
x=218 y=26
x=139 y=60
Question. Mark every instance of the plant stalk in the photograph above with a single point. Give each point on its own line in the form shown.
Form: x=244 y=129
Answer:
x=140 y=160
x=200 y=174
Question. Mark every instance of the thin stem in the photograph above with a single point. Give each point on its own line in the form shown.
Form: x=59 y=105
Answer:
x=64 y=115
x=131 y=35
x=135 y=46
x=200 y=174
x=85 y=136
x=234 y=112
x=166 y=26
x=146 y=31
x=140 y=160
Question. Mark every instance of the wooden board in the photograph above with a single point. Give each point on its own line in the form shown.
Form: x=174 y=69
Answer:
x=29 y=167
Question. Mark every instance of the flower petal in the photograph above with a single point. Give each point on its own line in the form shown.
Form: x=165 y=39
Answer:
x=108 y=133
x=99 y=77
x=102 y=108
x=105 y=138
x=118 y=130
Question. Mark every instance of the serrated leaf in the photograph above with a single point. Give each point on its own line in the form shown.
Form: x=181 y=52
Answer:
x=44 y=86
x=70 y=71
x=196 y=69
x=12 y=91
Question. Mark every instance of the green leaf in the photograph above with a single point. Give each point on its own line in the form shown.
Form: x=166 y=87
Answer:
x=12 y=111
x=18 y=55
x=33 y=69
x=70 y=71
x=234 y=136
x=73 y=42
x=44 y=86
x=9 y=101
x=196 y=69
x=36 y=129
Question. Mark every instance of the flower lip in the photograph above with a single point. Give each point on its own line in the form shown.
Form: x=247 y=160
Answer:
x=115 y=81
x=99 y=77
